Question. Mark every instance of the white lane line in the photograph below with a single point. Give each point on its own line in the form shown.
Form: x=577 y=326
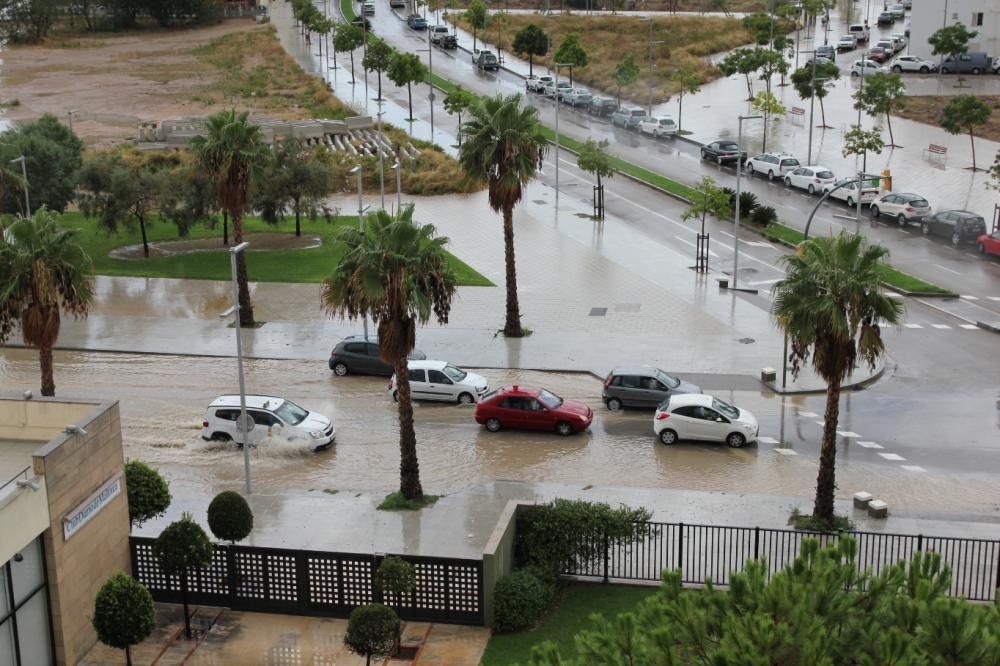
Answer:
x=968 y=327
x=892 y=456
x=786 y=452
x=946 y=269
x=914 y=468
x=941 y=326
x=994 y=298
x=969 y=298
x=726 y=233
x=820 y=423
x=687 y=242
x=848 y=434
x=808 y=415
x=754 y=284
x=767 y=440
x=870 y=445
x=759 y=244
x=913 y=325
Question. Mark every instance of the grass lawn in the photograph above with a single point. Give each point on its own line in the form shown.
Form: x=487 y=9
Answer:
x=308 y=265
x=571 y=613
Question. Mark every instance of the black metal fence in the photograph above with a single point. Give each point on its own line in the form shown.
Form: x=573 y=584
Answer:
x=701 y=551
x=309 y=582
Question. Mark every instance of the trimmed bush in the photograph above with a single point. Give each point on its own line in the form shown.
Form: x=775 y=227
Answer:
x=372 y=631
x=394 y=577
x=148 y=493
x=521 y=597
x=763 y=216
x=123 y=613
x=230 y=517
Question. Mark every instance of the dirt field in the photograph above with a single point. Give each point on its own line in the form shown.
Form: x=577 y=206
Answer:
x=927 y=109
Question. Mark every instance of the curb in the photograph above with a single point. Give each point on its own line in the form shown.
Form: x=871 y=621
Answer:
x=992 y=327
x=859 y=385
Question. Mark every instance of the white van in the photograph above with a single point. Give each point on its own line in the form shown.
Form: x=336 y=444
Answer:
x=437 y=380
x=860 y=31
x=269 y=417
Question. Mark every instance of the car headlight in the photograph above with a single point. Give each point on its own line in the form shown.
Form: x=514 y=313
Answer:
x=583 y=417
x=316 y=434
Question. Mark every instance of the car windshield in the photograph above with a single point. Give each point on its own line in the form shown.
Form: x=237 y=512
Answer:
x=455 y=374
x=725 y=408
x=291 y=413
x=824 y=174
x=728 y=145
x=666 y=379
x=550 y=400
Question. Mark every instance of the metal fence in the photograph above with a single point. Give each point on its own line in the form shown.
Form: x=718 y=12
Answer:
x=309 y=582
x=701 y=551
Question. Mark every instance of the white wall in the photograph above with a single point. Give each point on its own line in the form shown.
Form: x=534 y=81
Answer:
x=24 y=514
x=928 y=16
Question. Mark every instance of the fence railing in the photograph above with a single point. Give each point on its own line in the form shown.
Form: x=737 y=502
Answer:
x=701 y=551
x=309 y=582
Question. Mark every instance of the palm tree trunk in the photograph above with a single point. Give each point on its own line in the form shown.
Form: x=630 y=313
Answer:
x=45 y=362
x=409 y=468
x=826 y=483
x=512 y=328
x=246 y=307
x=225 y=227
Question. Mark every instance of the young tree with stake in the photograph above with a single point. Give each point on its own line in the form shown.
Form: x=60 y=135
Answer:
x=571 y=52
x=477 y=19
x=407 y=69
x=883 y=92
x=688 y=82
x=594 y=158
x=963 y=114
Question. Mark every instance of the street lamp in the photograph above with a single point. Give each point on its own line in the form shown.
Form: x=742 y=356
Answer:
x=739 y=163
x=361 y=227
x=70 y=114
x=381 y=169
x=245 y=424
x=649 y=72
x=555 y=96
x=399 y=188
x=430 y=79
x=812 y=102
x=24 y=176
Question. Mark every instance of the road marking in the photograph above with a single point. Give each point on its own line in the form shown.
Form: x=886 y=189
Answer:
x=767 y=440
x=753 y=284
x=759 y=244
x=786 y=452
x=969 y=298
x=808 y=415
x=914 y=468
x=870 y=445
x=946 y=269
x=687 y=242
x=994 y=298
x=913 y=325
x=848 y=434
x=726 y=233
x=941 y=326
x=969 y=327
x=892 y=456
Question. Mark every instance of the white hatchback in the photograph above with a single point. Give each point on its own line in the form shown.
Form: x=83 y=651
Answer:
x=903 y=206
x=437 y=380
x=772 y=165
x=810 y=178
x=701 y=417
x=848 y=191
x=270 y=418
x=657 y=127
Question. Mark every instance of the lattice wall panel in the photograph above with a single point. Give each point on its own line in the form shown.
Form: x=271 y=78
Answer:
x=463 y=588
x=281 y=578
x=431 y=591
x=324 y=588
x=250 y=575
x=356 y=582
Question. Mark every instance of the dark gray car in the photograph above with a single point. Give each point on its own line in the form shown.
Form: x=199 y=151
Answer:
x=641 y=386
x=355 y=355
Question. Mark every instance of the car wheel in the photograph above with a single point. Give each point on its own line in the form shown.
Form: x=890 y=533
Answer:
x=493 y=425
x=853 y=73
x=811 y=189
x=926 y=228
x=770 y=174
x=874 y=211
x=719 y=160
x=897 y=69
x=955 y=239
x=704 y=155
x=668 y=437
x=901 y=220
x=220 y=437
x=736 y=440
x=564 y=428
x=788 y=182
x=614 y=404
x=981 y=248
x=924 y=69
x=465 y=399
x=340 y=369
x=976 y=71
x=945 y=70
x=750 y=169
x=850 y=202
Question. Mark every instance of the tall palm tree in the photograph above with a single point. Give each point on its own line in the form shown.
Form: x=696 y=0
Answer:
x=10 y=179
x=505 y=147
x=43 y=270
x=231 y=150
x=831 y=307
x=395 y=271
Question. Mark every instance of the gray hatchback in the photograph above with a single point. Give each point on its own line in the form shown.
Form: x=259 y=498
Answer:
x=355 y=355
x=641 y=386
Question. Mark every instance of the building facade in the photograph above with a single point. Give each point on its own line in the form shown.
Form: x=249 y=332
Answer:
x=982 y=16
x=64 y=524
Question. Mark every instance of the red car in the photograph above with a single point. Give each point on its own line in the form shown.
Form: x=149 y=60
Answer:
x=989 y=244
x=877 y=54
x=531 y=408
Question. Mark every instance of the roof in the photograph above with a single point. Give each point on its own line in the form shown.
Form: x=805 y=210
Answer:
x=426 y=365
x=641 y=370
x=531 y=391
x=253 y=401
x=685 y=399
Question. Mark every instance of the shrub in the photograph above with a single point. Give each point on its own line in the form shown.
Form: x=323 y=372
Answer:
x=521 y=597
x=230 y=517
x=148 y=493
x=731 y=193
x=395 y=577
x=123 y=613
x=372 y=631
x=748 y=204
x=763 y=216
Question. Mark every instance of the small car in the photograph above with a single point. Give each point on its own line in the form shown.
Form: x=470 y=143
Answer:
x=955 y=225
x=556 y=89
x=875 y=54
x=641 y=386
x=396 y=4
x=602 y=107
x=628 y=117
x=820 y=60
x=657 y=127
x=271 y=417
x=860 y=32
x=537 y=83
x=368 y=9
x=989 y=244
x=898 y=11
x=355 y=355
x=847 y=43
x=846 y=189
x=886 y=18
x=416 y=22
x=532 y=408
x=911 y=63
x=437 y=380
x=903 y=206
x=886 y=45
x=773 y=165
x=576 y=97
x=811 y=178
x=723 y=150
x=899 y=40
x=967 y=63
x=696 y=416
x=870 y=67
x=438 y=33
x=826 y=51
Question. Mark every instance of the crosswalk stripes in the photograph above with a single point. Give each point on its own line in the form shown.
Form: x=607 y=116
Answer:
x=913 y=325
x=941 y=326
x=870 y=445
x=786 y=452
x=767 y=440
x=914 y=468
x=892 y=456
x=968 y=327
x=969 y=298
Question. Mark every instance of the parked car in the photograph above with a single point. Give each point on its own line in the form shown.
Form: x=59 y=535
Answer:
x=602 y=106
x=641 y=386
x=355 y=355
x=907 y=4
x=657 y=127
x=436 y=380
x=272 y=417
x=773 y=165
x=876 y=54
x=537 y=84
x=702 y=417
x=886 y=45
x=870 y=67
x=848 y=191
x=396 y=4
x=898 y=11
x=860 y=32
x=723 y=150
x=810 y=178
x=553 y=89
x=989 y=244
x=576 y=97
x=362 y=22
x=485 y=60
x=903 y=206
x=899 y=40
x=441 y=36
x=532 y=408
x=886 y=18
x=847 y=43
x=820 y=60
x=955 y=225
x=826 y=51
x=628 y=117
x=368 y=9
x=967 y=63
x=912 y=63
x=417 y=22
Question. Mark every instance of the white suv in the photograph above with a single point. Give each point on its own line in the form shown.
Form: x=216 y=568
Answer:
x=810 y=178
x=772 y=165
x=903 y=206
x=436 y=380
x=271 y=418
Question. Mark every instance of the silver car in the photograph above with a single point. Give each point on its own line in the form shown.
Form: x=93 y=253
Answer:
x=641 y=386
x=903 y=206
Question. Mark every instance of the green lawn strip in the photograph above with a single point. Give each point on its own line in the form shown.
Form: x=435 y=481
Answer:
x=306 y=265
x=570 y=614
x=347 y=9
x=780 y=232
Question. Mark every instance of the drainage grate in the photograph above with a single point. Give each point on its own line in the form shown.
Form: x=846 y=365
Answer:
x=598 y=312
x=627 y=307
x=539 y=202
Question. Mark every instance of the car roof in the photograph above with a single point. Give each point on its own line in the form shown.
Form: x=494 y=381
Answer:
x=817 y=167
x=962 y=213
x=908 y=195
x=529 y=391
x=426 y=365
x=641 y=370
x=252 y=401
x=687 y=399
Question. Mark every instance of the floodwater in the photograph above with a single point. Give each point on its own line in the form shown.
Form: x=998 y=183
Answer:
x=163 y=399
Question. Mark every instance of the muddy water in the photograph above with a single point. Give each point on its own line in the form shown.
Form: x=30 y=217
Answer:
x=163 y=399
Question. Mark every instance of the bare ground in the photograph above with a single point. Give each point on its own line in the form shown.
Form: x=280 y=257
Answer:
x=927 y=109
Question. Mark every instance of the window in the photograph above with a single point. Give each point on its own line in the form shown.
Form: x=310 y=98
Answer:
x=455 y=374
x=227 y=414
x=685 y=411
x=630 y=381
x=550 y=400
x=262 y=418
x=25 y=633
x=371 y=349
x=437 y=377
x=355 y=348
x=289 y=412
x=533 y=405
x=977 y=18
x=418 y=375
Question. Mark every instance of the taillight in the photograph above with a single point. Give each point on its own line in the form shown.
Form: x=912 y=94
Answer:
x=204 y=424
x=817 y=180
x=333 y=353
x=660 y=416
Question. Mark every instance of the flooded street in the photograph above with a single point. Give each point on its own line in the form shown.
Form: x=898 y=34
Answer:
x=163 y=400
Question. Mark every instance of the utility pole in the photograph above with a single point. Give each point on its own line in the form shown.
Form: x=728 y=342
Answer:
x=649 y=71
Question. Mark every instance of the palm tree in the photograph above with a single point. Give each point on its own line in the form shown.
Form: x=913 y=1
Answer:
x=395 y=271
x=10 y=179
x=231 y=150
x=830 y=306
x=505 y=147
x=43 y=270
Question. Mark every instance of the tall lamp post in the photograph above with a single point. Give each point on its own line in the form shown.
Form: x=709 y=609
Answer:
x=69 y=116
x=430 y=78
x=24 y=176
x=245 y=425
x=399 y=189
x=739 y=164
x=649 y=72
x=812 y=104
x=555 y=97
x=362 y=208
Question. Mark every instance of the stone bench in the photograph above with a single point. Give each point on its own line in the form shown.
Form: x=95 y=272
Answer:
x=862 y=500
x=878 y=509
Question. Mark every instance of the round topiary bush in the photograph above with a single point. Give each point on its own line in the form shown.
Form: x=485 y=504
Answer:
x=123 y=613
x=148 y=493
x=372 y=631
x=230 y=517
x=394 y=577
x=521 y=597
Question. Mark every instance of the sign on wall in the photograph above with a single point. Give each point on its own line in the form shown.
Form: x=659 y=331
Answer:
x=91 y=506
